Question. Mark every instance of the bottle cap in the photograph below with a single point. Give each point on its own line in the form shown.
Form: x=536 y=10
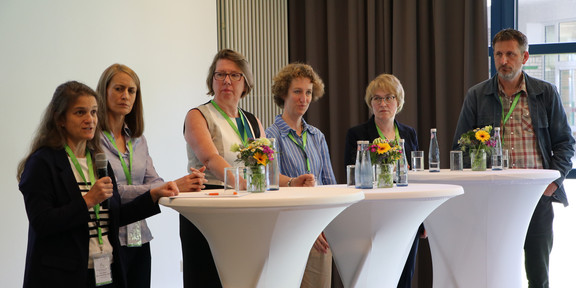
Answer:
x=433 y=130
x=497 y=128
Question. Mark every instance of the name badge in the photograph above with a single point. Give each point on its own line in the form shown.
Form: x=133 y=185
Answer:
x=102 y=271
x=134 y=234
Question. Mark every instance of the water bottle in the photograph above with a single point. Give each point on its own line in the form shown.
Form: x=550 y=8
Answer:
x=402 y=167
x=273 y=168
x=366 y=172
x=357 y=179
x=434 y=152
x=497 y=153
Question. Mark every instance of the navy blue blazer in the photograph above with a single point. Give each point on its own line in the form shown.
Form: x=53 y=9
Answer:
x=368 y=131
x=58 y=236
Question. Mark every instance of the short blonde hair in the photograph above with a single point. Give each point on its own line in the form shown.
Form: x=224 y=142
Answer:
x=388 y=83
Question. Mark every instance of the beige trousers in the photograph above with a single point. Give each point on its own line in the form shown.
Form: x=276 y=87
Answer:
x=318 y=273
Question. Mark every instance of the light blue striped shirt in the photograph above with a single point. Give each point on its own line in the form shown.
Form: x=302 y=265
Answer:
x=292 y=160
x=144 y=176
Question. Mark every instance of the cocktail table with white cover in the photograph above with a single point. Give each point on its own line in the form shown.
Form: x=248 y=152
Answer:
x=371 y=239
x=477 y=240
x=263 y=239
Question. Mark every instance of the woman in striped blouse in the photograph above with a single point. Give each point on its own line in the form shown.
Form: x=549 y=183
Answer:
x=303 y=150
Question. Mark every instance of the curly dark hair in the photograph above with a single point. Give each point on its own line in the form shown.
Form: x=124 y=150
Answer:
x=284 y=78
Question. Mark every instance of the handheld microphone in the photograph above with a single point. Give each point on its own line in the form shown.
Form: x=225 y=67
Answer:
x=101 y=163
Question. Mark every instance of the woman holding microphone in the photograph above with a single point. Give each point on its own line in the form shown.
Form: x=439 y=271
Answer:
x=74 y=217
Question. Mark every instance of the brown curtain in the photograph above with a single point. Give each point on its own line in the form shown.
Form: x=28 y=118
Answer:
x=437 y=48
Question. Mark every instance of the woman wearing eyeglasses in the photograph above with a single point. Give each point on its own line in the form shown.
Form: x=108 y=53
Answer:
x=210 y=130
x=385 y=98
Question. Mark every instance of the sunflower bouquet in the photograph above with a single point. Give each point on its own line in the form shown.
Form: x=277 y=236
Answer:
x=478 y=143
x=255 y=155
x=383 y=151
x=477 y=139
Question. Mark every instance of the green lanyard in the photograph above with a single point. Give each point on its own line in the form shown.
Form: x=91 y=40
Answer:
x=92 y=180
x=397 y=134
x=127 y=169
x=303 y=148
x=243 y=138
x=505 y=118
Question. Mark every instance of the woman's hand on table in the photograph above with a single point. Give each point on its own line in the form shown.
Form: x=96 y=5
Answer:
x=167 y=190
x=304 y=180
x=192 y=182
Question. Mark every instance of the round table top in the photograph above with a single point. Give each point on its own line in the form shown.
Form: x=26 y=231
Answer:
x=303 y=196
x=285 y=197
x=511 y=175
x=412 y=191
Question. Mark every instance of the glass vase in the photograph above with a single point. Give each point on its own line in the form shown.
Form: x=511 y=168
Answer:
x=385 y=175
x=478 y=160
x=256 y=179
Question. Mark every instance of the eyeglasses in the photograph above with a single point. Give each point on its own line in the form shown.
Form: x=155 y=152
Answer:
x=220 y=76
x=387 y=99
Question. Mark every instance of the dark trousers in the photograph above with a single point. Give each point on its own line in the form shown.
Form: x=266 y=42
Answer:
x=538 y=244
x=199 y=269
x=406 y=276
x=137 y=263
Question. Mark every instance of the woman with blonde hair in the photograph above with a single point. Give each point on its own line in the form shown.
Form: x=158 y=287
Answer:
x=385 y=98
x=122 y=124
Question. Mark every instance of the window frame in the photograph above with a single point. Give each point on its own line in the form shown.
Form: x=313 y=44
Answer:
x=504 y=14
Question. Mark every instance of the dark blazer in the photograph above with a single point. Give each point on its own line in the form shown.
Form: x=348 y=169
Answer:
x=58 y=237
x=368 y=131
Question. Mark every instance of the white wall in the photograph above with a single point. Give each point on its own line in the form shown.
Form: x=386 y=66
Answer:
x=170 y=44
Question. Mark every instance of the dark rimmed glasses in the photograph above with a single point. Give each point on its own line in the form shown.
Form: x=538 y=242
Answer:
x=220 y=76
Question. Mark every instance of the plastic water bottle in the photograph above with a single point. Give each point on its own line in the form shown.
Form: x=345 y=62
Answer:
x=497 y=153
x=402 y=167
x=366 y=172
x=273 y=168
x=434 y=152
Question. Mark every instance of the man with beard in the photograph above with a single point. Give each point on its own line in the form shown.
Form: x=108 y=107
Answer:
x=535 y=132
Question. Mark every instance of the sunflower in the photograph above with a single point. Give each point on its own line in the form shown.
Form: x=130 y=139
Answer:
x=482 y=135
x=383 y=148
x=261 y=158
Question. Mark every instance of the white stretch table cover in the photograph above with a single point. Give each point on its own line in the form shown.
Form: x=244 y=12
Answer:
x=263 y=239
x=371 y=239
x=477 y=240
